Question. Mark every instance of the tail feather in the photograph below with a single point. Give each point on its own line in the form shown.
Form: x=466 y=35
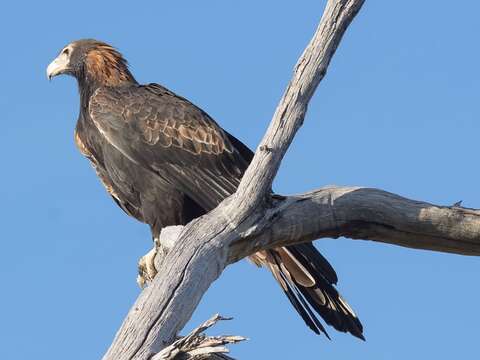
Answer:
x=308 y=280
x=300 y=304
x=295 y=297
x=316 y=261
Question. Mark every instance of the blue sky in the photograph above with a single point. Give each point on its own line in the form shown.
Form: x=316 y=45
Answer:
x=398 y=110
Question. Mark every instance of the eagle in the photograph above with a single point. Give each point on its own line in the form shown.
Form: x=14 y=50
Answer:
x=165 y=162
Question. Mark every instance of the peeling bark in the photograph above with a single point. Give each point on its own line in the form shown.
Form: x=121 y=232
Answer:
x=198 y=346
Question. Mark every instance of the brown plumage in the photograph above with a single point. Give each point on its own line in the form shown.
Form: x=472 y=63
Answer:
x=106 y=65
x=165 y=162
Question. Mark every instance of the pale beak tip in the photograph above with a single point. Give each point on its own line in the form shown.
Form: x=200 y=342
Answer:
x=53 y=69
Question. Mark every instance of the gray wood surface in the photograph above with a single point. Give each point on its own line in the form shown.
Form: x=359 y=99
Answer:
x=197 y=346
x=251 y=219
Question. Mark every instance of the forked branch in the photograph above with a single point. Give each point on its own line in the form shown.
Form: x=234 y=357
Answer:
x=251 y=219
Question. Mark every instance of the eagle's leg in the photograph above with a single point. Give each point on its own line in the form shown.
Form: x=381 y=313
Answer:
x=146 y=265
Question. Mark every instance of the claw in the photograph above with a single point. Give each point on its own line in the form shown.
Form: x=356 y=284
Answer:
x=146 y=268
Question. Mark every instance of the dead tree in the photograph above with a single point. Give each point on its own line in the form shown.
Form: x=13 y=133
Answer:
x=252 y=220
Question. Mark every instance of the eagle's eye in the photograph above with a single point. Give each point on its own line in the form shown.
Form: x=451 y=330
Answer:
x=66 y=51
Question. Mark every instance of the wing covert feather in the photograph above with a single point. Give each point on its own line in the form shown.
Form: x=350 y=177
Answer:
x=172 y=137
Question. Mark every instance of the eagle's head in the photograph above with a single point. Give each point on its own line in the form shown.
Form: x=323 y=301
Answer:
x=91 y=61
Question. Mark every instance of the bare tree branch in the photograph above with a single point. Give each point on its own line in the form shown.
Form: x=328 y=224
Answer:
x=252 y=219
x=367 y=214
x=358 y=213
x=290 y=113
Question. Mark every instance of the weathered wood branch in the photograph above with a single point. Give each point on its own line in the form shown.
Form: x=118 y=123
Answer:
x=358 y=213
x=252 y=219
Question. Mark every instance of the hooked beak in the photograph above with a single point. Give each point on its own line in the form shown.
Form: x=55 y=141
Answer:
x=57 y=66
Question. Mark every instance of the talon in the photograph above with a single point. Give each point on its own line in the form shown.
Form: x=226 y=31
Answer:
x=146 y=268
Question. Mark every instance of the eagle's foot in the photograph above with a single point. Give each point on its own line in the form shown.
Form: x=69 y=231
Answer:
x=146 y=267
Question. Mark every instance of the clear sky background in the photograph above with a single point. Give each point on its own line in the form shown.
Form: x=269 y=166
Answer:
x=398 y=110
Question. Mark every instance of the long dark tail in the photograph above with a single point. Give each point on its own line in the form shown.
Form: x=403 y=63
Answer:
x=308 y=280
